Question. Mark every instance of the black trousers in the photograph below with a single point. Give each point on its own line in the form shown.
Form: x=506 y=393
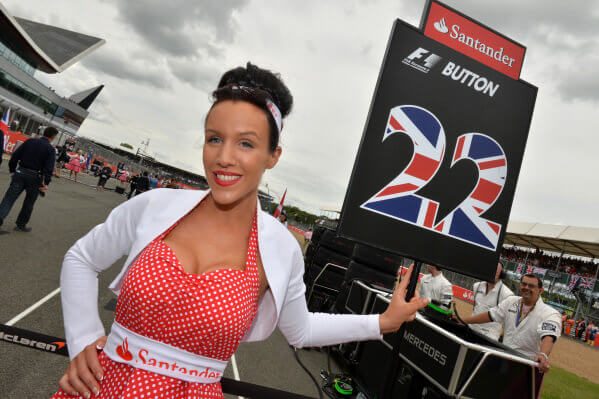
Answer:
x=20 y=182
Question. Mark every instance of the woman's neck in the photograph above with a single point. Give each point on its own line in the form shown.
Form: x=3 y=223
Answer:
x=241 y=211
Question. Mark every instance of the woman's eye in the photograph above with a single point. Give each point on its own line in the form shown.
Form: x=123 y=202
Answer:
x=247 y=144
x=214 y=139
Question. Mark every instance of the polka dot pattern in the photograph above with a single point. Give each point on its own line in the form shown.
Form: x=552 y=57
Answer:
x=207 y=314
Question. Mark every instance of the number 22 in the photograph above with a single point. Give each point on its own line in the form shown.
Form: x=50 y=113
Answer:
x=399 y=199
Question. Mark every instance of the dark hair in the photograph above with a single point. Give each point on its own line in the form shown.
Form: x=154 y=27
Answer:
x=256 y=85
x=50 y=132
x=539 y=281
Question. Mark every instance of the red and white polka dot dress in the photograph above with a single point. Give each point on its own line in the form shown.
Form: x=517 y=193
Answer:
x=206 y=314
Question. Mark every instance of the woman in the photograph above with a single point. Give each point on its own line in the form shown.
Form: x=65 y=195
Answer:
x=76 y=164
x=205 y=270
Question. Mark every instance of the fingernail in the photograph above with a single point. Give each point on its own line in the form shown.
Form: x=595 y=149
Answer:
x=96 y=391
x=99 y=347
x=87 y=395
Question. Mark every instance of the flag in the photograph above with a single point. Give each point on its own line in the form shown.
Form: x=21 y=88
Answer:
x=539 y=271
x=573 y=280
x=280 y=207
x=519 y=268
x=587 y=282
x=5 y=119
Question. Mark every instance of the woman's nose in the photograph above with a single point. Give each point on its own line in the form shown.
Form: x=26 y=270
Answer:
x=226 y=156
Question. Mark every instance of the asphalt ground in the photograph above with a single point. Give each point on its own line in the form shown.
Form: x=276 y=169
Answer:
x=30 y=268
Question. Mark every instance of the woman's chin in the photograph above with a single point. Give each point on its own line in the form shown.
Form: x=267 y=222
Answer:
x=227 y=200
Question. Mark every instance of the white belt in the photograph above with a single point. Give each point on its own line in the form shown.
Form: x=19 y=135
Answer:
x=125 y=346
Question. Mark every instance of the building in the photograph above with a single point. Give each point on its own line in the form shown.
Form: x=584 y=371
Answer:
x=26 y=49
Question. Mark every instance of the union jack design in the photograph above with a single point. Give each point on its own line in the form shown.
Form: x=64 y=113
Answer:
x=397 y=198
x=585 y=282
x=529 y=269
x=465 y=222
x=519 y=269
x=573 y=280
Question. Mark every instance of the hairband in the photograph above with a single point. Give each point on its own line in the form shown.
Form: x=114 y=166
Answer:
x=272 y=107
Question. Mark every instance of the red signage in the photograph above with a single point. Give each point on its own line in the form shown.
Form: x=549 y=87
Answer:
x=12 y=140
x=473 y=39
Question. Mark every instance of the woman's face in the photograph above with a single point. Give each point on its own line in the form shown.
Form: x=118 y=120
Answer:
x=236 y=151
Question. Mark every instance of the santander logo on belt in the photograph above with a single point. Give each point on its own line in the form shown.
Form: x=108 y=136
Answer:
x=144 y=357
x=471 y=38
x=123 y=351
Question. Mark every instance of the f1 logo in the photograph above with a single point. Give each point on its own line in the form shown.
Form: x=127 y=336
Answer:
x=428 y=62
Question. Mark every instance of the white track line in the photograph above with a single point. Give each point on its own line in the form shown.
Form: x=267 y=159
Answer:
x=235 y=371
x=32 y=307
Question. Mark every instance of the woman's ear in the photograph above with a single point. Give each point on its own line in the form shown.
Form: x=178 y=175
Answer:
x=274 y=157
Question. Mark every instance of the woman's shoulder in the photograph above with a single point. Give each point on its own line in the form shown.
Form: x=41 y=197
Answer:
x=279 y=230
x=159 y=198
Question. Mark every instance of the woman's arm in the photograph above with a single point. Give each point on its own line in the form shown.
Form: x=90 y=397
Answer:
x=302 y=328
x=91 y=254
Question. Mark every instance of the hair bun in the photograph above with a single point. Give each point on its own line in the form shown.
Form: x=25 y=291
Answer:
x=263 y=79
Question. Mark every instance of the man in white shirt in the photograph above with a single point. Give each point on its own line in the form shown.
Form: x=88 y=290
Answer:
x=436 y=287
x=530 y=326
x=486 y=296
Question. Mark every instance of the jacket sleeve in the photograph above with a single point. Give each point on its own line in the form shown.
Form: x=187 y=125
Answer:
x=91 y=254
x=302 y=328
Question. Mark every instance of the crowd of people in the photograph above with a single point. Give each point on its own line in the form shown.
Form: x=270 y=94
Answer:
x=581 y=329
x=539 y=258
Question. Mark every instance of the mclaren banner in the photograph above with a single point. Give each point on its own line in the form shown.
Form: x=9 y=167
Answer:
x=437 y=167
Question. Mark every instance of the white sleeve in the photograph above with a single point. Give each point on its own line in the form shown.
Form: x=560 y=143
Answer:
x=447 y=293
x=302 y=328
x=551 y=325
x=91 y=254
x=498 y=312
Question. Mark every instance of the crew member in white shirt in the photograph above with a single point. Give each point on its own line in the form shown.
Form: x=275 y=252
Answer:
x=530 y=326
x=436 y=287
x=486 y=296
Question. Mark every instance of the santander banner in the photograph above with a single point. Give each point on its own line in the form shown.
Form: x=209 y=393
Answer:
x=473 y=39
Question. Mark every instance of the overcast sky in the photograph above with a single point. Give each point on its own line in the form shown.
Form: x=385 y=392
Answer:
x=162 y=59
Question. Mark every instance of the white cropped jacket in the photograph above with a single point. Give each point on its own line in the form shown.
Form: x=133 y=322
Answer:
x=131 y=226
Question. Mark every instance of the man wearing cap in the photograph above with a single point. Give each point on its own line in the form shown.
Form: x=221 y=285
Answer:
x=486 y=296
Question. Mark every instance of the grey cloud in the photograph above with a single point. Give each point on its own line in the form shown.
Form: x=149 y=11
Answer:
x=183 y=27
x=193 y=72
x=123 y=67
x=580 y=82
x=560 y=37
x=518 y=19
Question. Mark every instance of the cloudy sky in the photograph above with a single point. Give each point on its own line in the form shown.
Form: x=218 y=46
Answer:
x=162 y=59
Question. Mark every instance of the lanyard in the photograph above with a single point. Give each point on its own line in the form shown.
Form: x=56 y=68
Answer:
x=519 y=317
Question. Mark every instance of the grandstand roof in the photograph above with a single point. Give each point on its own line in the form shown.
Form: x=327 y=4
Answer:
x=47 y=48
x=571 y=240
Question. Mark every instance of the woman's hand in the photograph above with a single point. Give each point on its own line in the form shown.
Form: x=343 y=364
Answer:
x=84 y=371
x=400 y=311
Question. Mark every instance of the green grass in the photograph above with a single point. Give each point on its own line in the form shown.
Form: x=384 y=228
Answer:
x=561 y=384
